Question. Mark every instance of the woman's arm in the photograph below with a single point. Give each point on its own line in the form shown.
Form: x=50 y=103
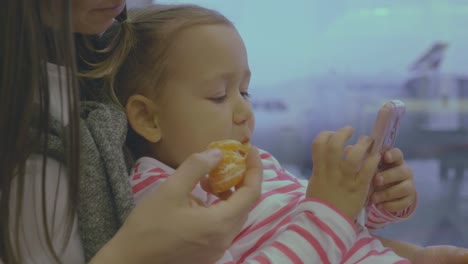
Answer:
x=441 y=254
x=403 y=249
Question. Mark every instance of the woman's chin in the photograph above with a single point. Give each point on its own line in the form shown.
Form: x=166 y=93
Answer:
x=93 y=29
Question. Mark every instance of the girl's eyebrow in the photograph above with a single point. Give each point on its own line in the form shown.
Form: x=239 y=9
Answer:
x=226 y=75
x=210 y=81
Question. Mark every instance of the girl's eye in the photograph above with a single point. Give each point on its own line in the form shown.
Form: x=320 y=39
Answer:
x=219 y=99
x=246 y=95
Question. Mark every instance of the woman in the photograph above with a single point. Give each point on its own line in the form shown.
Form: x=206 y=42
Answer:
x=39 y=197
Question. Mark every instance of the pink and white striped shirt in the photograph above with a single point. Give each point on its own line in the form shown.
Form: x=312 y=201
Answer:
x=285 y=226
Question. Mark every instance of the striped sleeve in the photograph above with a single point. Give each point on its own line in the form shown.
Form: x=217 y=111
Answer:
x=379 y=218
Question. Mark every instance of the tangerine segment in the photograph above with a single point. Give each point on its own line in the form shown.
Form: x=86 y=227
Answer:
x=228 y=144
x=231 y=169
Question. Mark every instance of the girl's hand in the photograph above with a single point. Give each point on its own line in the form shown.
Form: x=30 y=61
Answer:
x=394 y=187
x=341 y=179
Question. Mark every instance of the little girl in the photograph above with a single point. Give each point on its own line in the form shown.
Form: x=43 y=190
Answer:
x=182 y=74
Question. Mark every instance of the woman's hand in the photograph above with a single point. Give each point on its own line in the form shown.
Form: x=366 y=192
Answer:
x=339 y=178
x=441 y=255
x=171 y=226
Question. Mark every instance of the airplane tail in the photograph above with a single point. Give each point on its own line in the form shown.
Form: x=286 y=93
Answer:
x=431 y=60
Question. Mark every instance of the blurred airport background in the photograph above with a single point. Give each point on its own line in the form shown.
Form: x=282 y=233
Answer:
x=320 y=65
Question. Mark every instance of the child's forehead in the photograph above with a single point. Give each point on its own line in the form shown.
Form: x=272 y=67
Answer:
x=207 y=53
x=208 y=79
x=207 y=41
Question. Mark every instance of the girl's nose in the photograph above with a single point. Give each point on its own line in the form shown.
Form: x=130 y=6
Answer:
x=242 y=112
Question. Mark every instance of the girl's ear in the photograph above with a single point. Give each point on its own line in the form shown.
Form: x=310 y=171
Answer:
x=142 y=117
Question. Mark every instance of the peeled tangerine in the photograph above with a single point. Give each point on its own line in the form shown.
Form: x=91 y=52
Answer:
x=231 y=169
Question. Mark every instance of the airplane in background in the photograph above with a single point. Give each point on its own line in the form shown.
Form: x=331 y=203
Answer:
x=431 y=60
x=290 y=115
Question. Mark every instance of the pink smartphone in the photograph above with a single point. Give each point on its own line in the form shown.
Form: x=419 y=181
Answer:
x=386 y=126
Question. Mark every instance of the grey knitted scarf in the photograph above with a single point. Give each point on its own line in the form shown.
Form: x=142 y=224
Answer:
x=105 y=192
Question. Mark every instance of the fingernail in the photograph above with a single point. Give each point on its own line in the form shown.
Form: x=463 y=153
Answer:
x=389 y=157
x=365 y=139
x=254 y=150
x=215 y=153
x=371 y=142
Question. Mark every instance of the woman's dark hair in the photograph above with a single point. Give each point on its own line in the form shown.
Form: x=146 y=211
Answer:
x=33 y=34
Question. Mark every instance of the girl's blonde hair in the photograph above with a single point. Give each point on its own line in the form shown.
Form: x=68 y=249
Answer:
x=137 y=60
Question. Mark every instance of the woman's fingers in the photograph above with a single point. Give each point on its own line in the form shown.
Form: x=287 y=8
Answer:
x=191 y=171
x=196 y=202
x=240 y=202
x=206 y=186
